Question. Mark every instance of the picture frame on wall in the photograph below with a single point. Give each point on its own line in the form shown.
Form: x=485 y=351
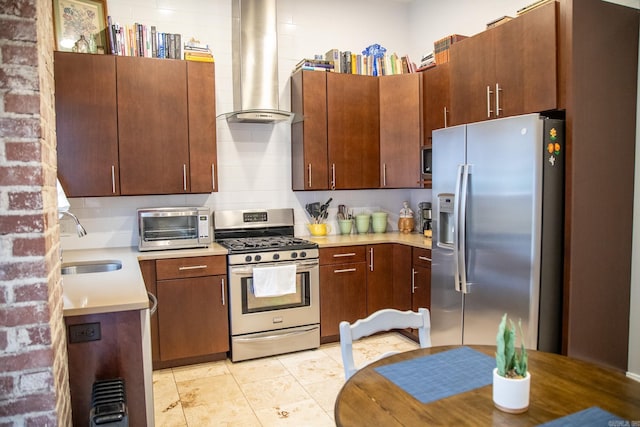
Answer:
x=75 y=18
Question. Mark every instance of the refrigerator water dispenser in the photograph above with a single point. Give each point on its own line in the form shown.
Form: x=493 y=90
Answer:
x=446 y=220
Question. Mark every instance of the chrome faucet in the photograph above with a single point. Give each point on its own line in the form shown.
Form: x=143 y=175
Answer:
x=79 y=228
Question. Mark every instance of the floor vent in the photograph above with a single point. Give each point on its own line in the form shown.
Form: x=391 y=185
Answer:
x=109 y=404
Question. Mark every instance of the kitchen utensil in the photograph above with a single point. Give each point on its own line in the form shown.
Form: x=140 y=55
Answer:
x=342 y=212
x=324 y=209
x=313 y=209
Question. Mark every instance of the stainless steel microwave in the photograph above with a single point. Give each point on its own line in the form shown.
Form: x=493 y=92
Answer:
x=174 y=228
x=426 y=162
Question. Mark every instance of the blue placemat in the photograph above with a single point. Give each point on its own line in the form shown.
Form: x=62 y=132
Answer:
x=441 y=375
x=591 y=417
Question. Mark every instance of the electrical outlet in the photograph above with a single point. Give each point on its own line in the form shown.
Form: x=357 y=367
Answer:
x=84 y=332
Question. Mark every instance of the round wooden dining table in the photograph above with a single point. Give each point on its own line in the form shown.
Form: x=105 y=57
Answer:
x=560 y=386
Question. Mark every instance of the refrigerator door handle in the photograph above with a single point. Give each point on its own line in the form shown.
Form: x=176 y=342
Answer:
x=462 y=235
x=456 y=230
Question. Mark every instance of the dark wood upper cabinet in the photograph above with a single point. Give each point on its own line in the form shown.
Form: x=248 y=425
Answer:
x=400 y=130
x=309 y=162
x=135 y=126
x=436 y=102
x=507 y=70
x=152 y=126
x=202 y=127
x=87 y=124
x=353 y=131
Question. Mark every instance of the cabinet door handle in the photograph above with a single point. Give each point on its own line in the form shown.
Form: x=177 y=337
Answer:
x=213 y=176
x=309 y=173
x=345 y=254
x=333 y=176
x=154 y=303
x=489 y=110
x=424 y=258
x=345 y=270
x=384 y=174
x=222 y=290
x=445 y=116
x=413 y=280
x=192 y=267
x=498 y=89
x=371 y=259
x=113 y=179
x=184 y=177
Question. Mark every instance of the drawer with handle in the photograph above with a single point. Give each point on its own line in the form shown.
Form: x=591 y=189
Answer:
x=342 y=255
x=178 y=268
x=422 y=257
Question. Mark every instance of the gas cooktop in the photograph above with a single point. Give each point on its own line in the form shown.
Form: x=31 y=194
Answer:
x=263 y=244
x=258 y=230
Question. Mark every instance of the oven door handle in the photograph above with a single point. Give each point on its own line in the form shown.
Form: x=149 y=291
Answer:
x=247 y=270
x=276 y=336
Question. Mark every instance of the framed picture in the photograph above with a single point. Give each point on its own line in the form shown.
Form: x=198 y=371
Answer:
x=74 y=18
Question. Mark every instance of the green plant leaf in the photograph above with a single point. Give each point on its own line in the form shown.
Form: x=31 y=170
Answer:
x=501 y=362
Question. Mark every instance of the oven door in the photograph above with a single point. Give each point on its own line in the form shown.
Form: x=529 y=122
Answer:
x=250 y=314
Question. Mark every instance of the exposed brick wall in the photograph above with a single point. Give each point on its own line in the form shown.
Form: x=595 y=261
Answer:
x=34 y=386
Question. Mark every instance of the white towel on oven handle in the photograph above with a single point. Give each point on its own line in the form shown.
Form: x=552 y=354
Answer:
x=273 y=281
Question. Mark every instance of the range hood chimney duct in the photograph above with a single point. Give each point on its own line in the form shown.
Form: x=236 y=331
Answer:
x=255 y=63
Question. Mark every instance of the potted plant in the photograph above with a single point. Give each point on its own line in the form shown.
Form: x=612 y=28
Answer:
x=511 y=379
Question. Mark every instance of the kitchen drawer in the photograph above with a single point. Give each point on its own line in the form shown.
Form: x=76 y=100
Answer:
x=178 y=268
x=342 y=254
x=422 y=257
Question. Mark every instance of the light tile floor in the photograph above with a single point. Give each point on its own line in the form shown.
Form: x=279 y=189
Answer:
x=297 y=389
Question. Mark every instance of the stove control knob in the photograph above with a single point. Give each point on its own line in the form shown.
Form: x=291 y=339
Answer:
x=247 y=258
x=276 y=256
x=294 y=254
x=258 y=257
x=303 y=254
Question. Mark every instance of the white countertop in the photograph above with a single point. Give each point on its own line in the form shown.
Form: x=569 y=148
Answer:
x=118 y=290
x=124 y=289
x=412 y=239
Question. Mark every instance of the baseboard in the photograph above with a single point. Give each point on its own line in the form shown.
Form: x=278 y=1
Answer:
x=633 y=376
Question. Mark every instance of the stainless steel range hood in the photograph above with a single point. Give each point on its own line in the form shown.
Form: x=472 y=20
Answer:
x=255 y=63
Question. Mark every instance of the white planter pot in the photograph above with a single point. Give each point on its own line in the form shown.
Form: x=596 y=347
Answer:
x=509 y=394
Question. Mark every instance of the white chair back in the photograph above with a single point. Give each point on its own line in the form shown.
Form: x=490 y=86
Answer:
x=380 y=321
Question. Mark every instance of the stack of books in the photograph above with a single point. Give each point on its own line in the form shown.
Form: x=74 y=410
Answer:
x=532 y=6
x=142 y=40
x=441 y=47
x=427 y=61
x=347 y=62
x=314 y=65
x=195 y=51
x=498 y=21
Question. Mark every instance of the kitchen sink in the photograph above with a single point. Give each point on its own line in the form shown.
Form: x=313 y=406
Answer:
x=82 y=267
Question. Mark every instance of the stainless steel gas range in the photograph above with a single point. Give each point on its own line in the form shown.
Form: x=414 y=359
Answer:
x=274 y=295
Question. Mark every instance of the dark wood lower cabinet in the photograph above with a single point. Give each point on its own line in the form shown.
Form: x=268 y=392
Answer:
x=373 y=277
x=421 y=286
x=117 y=354
x=343 y=296
x=191 y=324
x=192 y=319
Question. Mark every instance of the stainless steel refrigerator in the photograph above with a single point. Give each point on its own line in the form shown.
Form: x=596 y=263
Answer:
x=498 y=230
